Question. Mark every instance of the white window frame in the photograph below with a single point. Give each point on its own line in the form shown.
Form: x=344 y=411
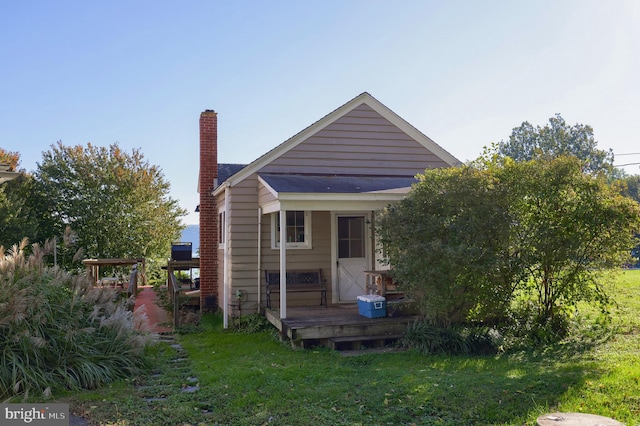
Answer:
x=275 y=232
x=222 y=224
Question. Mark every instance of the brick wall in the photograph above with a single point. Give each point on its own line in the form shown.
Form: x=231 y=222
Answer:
x=209 y=238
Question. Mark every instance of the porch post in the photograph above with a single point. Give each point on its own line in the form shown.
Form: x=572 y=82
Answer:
x=283 y=264
x=226 y=267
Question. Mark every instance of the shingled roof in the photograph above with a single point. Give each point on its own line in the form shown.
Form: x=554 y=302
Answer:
x=335 y=184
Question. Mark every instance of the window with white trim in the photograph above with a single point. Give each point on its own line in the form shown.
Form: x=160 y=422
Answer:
x=298 y=229
x=221 y=228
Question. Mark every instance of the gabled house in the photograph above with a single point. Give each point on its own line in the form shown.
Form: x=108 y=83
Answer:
x=324 y=184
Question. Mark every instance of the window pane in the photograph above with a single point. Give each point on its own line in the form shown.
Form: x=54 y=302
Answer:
x=343 y=249
x=343 y=227
x=221 y=226
x=357 y=227
x=291 y=218
x=357 y=248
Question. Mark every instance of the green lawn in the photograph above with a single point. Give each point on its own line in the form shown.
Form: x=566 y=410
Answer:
x=252 y=379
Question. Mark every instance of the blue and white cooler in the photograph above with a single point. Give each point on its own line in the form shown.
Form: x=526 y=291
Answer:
x=372 y=306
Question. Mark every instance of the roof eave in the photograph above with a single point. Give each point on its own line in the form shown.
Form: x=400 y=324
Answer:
x=220 y=188
x=332 y=201
x=332 y=196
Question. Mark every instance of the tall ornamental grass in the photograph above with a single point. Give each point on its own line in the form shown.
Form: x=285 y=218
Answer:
x=59 y=332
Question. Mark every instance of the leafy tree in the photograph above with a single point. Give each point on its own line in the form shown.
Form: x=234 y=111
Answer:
x=17 y=216
x=9 y=157
x=116 y=203
x=557 y=139
x=630 y=187
x=570 y=227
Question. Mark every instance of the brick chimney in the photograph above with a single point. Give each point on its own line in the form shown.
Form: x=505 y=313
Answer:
x=209 y=237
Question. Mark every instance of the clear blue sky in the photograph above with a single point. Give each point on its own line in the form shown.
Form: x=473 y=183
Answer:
x=465 y=73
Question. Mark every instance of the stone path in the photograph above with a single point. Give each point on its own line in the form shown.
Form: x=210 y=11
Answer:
x=180 y=361
x=159 y=322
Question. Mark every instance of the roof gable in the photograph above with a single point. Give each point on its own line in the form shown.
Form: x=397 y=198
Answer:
x=338 y=119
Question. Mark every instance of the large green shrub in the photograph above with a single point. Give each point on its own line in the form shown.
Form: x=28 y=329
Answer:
x=466 y=240
x=58 y=331
x=446 y=245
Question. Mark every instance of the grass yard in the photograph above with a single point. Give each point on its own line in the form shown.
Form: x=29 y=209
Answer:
x=252 y=379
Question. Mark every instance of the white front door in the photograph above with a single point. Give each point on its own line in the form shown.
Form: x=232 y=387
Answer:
x=353 y=256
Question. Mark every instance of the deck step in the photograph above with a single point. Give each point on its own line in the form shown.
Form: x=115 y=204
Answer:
x=357 y=342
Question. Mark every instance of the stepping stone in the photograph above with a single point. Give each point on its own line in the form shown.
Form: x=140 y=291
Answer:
x=576 y=419
x=155 y=399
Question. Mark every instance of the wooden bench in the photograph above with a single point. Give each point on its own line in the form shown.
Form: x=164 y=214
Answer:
x=298 y=281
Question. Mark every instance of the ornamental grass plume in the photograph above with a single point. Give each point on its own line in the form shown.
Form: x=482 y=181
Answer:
x=58 y=331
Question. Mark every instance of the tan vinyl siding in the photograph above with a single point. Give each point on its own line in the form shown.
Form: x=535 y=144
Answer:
x=220 y=200
x=243 y=251
x=318 y=257
x=361 y=142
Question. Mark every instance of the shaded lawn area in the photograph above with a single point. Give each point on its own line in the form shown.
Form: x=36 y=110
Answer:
x=253 y=379
x=262 y=383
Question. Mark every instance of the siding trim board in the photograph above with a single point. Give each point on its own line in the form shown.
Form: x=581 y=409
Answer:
x=333 y=202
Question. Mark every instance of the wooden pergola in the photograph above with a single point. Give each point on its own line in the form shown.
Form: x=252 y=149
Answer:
x=93 y=267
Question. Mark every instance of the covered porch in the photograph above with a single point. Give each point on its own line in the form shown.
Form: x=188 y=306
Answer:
x=345 y=207
x=341 y=242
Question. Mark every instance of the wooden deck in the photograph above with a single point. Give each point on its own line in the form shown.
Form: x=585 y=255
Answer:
x=338 y=326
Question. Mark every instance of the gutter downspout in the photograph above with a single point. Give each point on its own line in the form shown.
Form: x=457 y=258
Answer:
x=259 y=255
x=225 y=273
x=283 y=264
